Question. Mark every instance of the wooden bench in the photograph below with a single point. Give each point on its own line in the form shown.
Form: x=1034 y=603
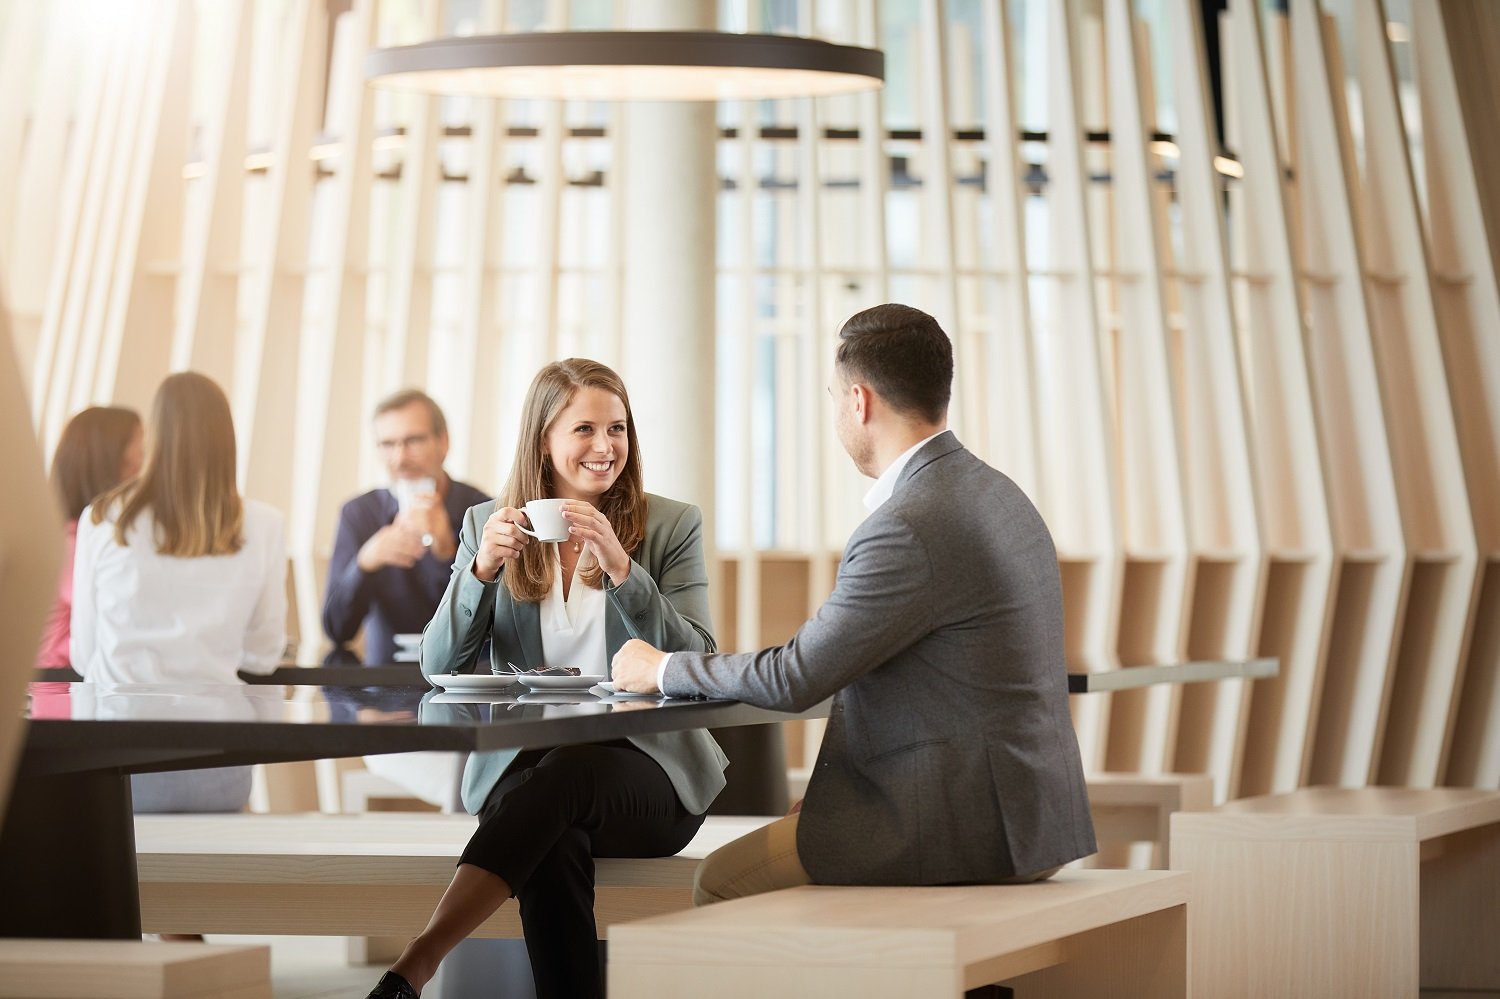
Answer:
x=1082 y=933
x=1137 y=808
x=104 y=969
x=1128 y=809
x=374 y=875
x=1344 y=892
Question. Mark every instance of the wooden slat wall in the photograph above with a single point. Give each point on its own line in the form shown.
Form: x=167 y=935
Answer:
x=1456 y=84
x=1224 y=516
x=1222 y=477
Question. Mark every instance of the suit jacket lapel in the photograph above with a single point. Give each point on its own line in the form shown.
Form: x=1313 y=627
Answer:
x=526 y=620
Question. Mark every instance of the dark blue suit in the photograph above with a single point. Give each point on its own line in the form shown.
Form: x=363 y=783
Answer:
x=390 y=601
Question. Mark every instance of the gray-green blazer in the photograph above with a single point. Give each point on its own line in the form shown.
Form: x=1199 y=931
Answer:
x=665 y=599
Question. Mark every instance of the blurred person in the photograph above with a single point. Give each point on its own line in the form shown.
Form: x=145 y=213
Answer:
x=179 y=580
x=391 y=556
x=950 y=755
x=394 y=544
x=634 y=562
x=101 y=447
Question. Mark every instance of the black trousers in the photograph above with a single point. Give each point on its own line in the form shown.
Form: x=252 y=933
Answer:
x=552 y=813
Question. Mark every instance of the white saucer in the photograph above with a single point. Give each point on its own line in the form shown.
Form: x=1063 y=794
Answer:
x=472 y=681
x=536 y=682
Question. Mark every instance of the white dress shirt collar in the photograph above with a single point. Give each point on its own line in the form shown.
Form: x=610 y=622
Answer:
x=886 y=484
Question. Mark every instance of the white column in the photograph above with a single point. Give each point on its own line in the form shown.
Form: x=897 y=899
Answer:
x=670 y=183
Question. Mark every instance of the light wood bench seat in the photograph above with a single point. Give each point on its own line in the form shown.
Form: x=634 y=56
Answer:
x=1344 y=892
x=1081 y=933
x=371 y=875
x=1137 y=808
x=106 y=969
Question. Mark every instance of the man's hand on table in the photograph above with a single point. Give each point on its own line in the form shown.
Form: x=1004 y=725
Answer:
x=634 y=667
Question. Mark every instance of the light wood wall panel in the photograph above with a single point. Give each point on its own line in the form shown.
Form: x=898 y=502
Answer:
x=66 y=92
x=1078 y=465
x=1279 y=394
x=1352 y=427
x=143 y=290
x=265 y=393
x=1153 y=616
x=1222 y=477
x=1467 y=302
x=207 y=321
x=1429 y=473
x=1224 y=517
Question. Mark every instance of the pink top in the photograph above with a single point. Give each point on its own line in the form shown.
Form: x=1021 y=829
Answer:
x=53 y=651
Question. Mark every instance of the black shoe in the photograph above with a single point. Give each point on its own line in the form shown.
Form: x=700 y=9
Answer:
x=393 y=986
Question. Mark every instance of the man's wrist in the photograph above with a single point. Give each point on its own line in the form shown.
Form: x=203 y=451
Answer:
x=661 y=671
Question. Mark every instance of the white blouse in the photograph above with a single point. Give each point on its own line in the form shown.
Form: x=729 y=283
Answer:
x=573 y=629
x=143 y=617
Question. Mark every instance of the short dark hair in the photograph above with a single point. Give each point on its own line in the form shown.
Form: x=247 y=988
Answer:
x=411 y=397
x=903 y=354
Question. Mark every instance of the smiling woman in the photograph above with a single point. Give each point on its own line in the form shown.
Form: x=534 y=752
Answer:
x=633 y=567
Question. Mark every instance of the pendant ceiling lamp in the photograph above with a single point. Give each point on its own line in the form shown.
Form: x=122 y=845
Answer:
x=628 y=65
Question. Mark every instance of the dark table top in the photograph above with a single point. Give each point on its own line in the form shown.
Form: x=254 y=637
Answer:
x=144 y=727
x=1123 y=678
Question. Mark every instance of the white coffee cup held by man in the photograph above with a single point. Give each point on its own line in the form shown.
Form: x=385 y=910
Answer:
x=414 y=498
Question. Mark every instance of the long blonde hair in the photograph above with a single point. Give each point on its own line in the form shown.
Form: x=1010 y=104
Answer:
x=553 y=388
x=187 y=483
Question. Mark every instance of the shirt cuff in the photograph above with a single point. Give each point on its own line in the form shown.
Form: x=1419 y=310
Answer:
x=661 y=671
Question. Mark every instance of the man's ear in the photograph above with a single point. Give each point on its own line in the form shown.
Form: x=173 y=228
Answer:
x=861 y=395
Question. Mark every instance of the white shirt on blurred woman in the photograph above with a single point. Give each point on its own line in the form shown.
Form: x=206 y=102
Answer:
x=143 y=617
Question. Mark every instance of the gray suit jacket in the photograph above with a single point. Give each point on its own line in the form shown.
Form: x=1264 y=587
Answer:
x=665 y=598
x=950 y=755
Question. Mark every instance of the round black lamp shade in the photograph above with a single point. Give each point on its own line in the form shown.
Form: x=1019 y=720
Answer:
x=629 y=65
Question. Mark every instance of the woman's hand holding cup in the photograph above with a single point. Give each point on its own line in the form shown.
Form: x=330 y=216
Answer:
x=591 y=527
x=500 y=542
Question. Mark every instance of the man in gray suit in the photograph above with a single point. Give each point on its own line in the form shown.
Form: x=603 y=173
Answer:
x=950 y=755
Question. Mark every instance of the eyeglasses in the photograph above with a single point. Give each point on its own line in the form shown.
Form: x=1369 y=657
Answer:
x=406 y=443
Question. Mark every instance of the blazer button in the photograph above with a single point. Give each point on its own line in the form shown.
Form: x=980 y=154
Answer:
x=468 y=613
x=641 y=616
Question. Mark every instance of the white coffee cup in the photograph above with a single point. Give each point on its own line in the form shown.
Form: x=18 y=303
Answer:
x=407 y=490
x=547 y=522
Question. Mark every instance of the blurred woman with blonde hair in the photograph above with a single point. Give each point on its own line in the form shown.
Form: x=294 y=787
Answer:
x=178 y=579
x=100 y=447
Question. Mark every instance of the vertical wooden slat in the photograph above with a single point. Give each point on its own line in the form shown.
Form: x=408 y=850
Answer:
x=1223 y=516
x=409 y=275
x=812 y=338
x=1153 y=618
x=479 y=336
x=144 y=292
x=331 y=389
x=208 y=306
x=78 y=282
x=31 y=547
x=1424 y=444
x=265 y=403
x=1079 y=467
x=20 y=68
x=1288 y=462
x=49 y=198
x=1467 y=301
x=1356 y=444
x=1010 y=424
